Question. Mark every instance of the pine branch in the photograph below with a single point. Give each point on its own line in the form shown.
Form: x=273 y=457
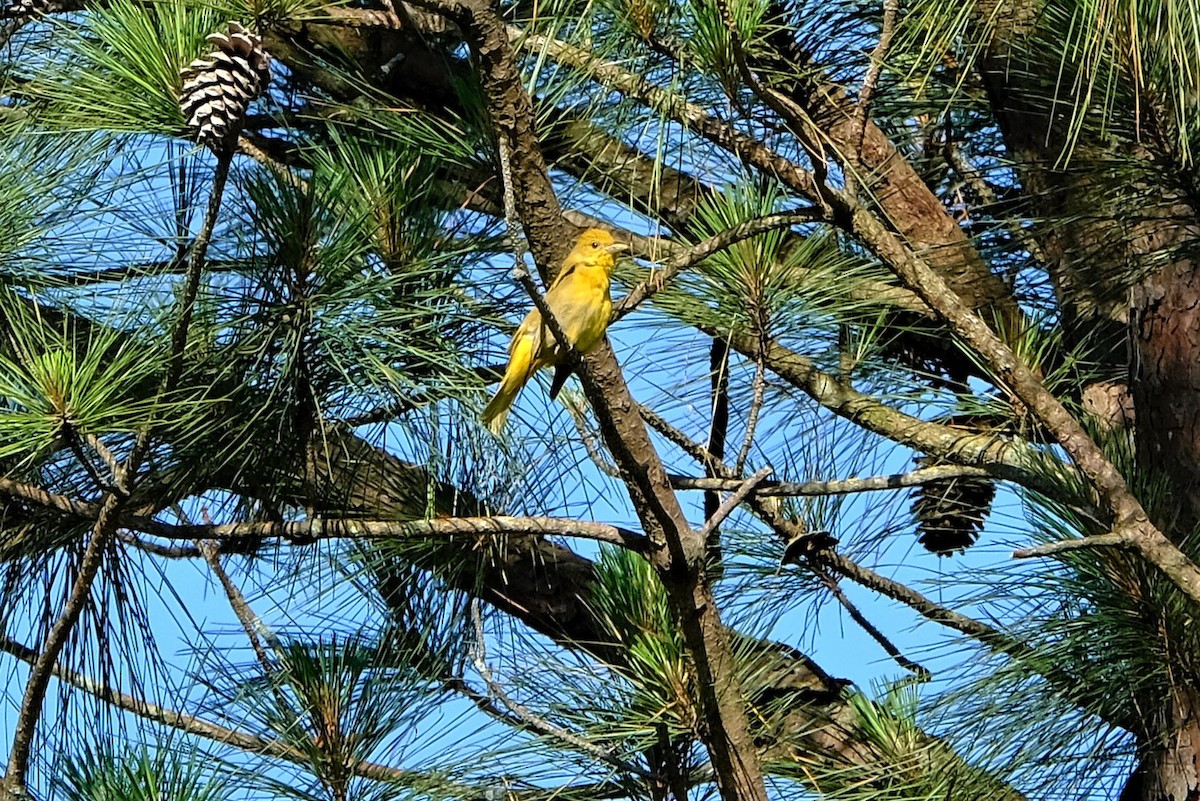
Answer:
x=678 y=556
x=477 y=529
x=251 y=743
x=714 y=244
x=695 y=118
x=844 y=486
x=790 y=531
x=533 y=721
x=1130 y=520
x=80 y=510
x=108 y=519
x=1007 y=458
x=1126 y=539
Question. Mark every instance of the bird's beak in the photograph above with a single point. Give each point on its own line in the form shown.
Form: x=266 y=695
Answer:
x=617 y=247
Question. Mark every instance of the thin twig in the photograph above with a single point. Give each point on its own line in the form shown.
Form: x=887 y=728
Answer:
x=591 y=443
x=158 y=549
x=1114 y=539
x=756 y=404
x=683 y=442
x=735 y=498
x=929 y=609
x=512 y=222
x=872 y=631
x=534 y=721
x=863 y=108
x=484 y=703
x=110 y=459
x=82 y=457
x=251 y=622
x=807 y=133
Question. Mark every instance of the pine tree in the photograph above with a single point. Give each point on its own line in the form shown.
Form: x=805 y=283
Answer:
x=900 y=276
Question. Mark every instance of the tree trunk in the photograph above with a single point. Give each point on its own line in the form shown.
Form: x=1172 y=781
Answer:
x=1170 y=771
x=1118 y=253
x=1166 y=386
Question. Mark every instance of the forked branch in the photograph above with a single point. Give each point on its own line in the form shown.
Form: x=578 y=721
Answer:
x=108 y=519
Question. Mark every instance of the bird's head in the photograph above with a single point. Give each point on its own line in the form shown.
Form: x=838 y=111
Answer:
x=596 y=246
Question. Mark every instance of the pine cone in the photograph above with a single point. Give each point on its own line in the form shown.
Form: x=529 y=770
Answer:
x=950 y=512
x=25 y=9
x=218 y=89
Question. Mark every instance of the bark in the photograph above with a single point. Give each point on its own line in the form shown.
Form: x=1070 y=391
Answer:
x=1120 y=259
x=903 y=197
x=1111 y=216
x=1171 y=770
x=590 y=153
x=1166 y=386
x=897 y=193
x=726 y=732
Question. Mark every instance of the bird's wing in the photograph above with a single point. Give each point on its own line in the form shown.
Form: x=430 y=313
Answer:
x=531 y=328
x=567 y=269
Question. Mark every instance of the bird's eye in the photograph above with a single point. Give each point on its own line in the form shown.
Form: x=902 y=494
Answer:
x=595 y=244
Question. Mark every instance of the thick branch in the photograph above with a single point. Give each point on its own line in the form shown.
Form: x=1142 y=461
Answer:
x=478 y=529
x=679 y=557
x=1006 y=458
x=1129 y=517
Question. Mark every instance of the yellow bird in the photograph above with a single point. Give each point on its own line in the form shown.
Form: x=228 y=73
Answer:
x=580 y=301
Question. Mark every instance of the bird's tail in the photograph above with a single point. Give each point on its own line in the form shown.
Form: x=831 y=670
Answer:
x=520 y=367
x=495 y=414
